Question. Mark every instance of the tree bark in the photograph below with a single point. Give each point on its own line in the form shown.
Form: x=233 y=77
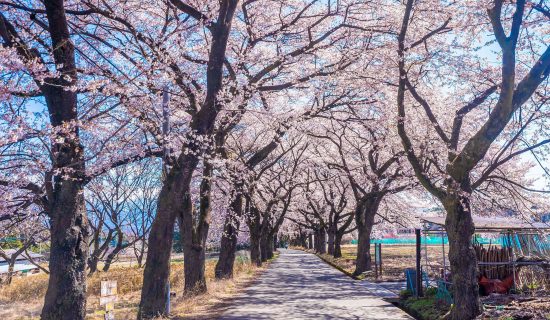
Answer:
x=177 y=184
x=228 y=244
x=331 y=237
x=194 y=258
x=157 y=264
x=255 y=239
x=194 y=231
x=462 y=257
x=320 y=241
x=92 y=265
x=364 y=218
x=66 y=294
x=338 y=245
x=11 y=267
x=266 y=245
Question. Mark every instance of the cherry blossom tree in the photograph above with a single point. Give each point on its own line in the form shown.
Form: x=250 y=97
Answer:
x=477 y=137
x=63 y=128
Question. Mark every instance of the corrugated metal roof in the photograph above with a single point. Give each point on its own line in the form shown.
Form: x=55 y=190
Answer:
x=22 y=256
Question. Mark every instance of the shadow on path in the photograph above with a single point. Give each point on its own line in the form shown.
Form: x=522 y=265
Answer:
x=299 y=285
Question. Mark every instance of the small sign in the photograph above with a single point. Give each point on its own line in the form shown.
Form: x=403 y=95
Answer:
x=108 y=298
x=103 y=301
x=108 y=288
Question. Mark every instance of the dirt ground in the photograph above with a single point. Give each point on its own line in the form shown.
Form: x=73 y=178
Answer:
x=516 y=307
x=395 y=259
x=532 y=304
x=23 y=298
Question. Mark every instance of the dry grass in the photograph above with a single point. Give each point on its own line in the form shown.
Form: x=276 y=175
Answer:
x=395 y=259
x=23 y=298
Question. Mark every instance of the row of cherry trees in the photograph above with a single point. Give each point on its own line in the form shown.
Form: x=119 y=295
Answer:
x=269 y=117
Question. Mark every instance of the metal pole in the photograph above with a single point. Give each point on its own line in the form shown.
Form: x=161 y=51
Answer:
x=513 y=260
x=418 y=267
x=376 y=260
x=380 y=257
x=444 y=258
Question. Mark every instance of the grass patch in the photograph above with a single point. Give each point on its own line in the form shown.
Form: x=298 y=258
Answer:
x=425 y=308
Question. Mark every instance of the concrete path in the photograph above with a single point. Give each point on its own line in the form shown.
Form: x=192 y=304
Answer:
x=299 y=285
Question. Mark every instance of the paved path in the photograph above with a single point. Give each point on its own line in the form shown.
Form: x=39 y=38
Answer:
x=299 y=285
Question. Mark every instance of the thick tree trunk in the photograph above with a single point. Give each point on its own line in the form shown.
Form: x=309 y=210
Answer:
x=320 y=241
x=255 y=251
x=194 y=258
x=194 y=231
x=255 y=232
x=462 y=258
x=66 y=294
x=264 y=246
x=157 y=264
x=310 y=241
x=364 y=218
x=338 y=245
x=228 y=244
x=302 y=240
x=364 y=261
x=331 y=237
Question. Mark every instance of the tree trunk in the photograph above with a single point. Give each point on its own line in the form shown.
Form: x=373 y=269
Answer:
x=194 y=231
x=310 y=241
x=364 y=261
x=66 y=294
x=157 y=264
x=320 y=241
x=228 y=244
x=194 y=258
x=111 y=257
x=364 y=218
x=92 y=264
x=264 y=246
x=11 y=266
x=462 y=258
x=338 y=245
x=255 y=251
x=331 y=235
x=302 y=240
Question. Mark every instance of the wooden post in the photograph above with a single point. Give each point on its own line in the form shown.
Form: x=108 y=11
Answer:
x=418 y=267
x=108 y=297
